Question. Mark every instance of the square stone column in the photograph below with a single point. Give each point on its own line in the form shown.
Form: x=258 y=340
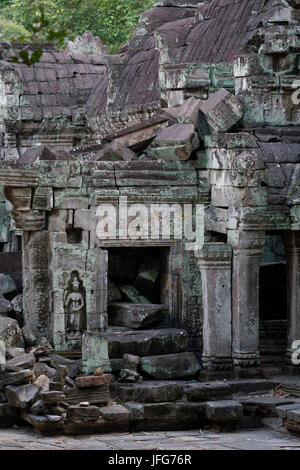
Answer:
x=215 y=266
x=292 y=245
x=247 y=251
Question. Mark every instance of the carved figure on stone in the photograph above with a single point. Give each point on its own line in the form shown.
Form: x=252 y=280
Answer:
x=75 y=306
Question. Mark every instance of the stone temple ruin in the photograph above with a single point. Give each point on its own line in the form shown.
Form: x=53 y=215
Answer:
x=201 y=107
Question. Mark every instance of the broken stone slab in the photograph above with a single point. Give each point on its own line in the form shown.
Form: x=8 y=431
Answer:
x=219 y=112
x=29 y=336
x=136 y=316
x=115 y=151
x=26 y=361
x=131 y=294
x=263 y=406
x=22 y=396
x=147 y=342
x=148 y=275
x=10 y=333
x=207 y=391
x=157 y=392
x=93 y=380
x=37 y=408
x=17 y=378
x=113 y=292
x=7 y=284
x=43 y=348
x=92 y=395
x=171 y=366
x=224 y=410
x=174 y=143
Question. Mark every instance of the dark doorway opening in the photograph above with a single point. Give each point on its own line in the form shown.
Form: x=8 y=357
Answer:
x=273 y=301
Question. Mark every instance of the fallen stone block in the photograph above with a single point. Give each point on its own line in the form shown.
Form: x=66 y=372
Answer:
x=35 y=154
x=42 y=382
x=10 y=333
x=147 y=342
x=174 y=143
x=47 y=425
x=92 y=395
x=219 y=112
x=26 y=361
x=170 y=366
x=93 y=380
x=148 y=275
x=224 y=410
x=156 y=392
x=22 y=396
x=52 y=397
x=29 y=336
x=187 y=113
x=136 y=316
x=73 y=365
x=207 y=391
x=115 y=151
x=113 y=292
x=5 y=306
x=131 y=294
x=88 y=413
x=17 y=378
x=41 y=368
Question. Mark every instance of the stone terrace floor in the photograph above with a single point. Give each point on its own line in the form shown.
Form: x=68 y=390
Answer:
x=245 y=439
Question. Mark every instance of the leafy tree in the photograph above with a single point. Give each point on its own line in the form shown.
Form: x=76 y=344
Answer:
x=112 y=20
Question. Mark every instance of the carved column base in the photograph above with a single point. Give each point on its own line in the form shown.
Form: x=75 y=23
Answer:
x=217 y=363
x=246 y=359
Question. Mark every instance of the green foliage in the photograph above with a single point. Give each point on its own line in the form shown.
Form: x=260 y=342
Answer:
x=112 y=20
x=10 y=29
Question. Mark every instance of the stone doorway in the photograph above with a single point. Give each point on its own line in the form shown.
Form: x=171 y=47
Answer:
x=273 y=301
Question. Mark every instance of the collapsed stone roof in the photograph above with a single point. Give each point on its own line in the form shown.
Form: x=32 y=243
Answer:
x=179 y=50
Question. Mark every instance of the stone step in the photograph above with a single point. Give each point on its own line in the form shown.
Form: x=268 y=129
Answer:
x=166 y=416
x=263 y=406
x=147 y=342
x=170 y=366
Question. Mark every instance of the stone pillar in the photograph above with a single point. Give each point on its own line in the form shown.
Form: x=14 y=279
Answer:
x=292 y=244
x=215 y=266
x=94 y=352
x=247 y=252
